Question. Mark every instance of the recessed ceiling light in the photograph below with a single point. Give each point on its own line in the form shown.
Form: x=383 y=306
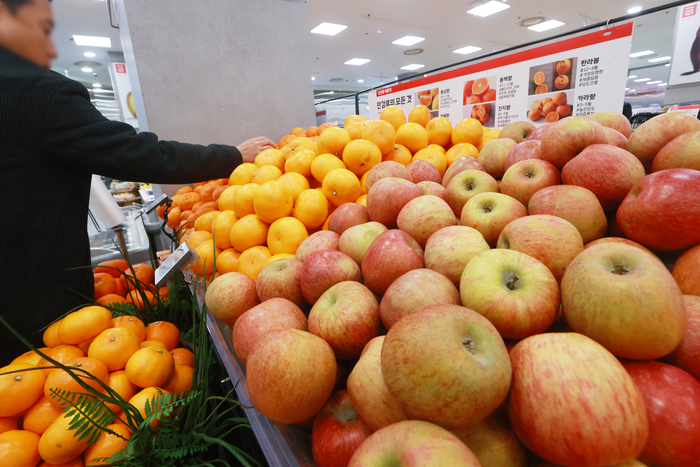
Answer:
x=360 y=81
x=313 y=78
x=328 y=29
x=634 y=10
x=466 y=50
x=662 y=84
x=659 y=59
x=408 y=40
x=530 y=21
x=89 y=54
x=486 y=9
x=86 y=70
x=413 y=51
x=631 y=76
x=98 y=85
x=655 y=82
x=93 y=41
x=668 y=64
x=641 y=54
x=641 y=80
x=357 y=61
x=546 y=26
x=396 y=77
x=412 y=67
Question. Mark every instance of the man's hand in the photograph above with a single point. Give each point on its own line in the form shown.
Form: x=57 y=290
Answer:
x=254 y=146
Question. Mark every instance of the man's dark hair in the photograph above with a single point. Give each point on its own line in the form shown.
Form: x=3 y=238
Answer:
x=14 y=5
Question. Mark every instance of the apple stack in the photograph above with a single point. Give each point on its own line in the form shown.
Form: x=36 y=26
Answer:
x=484 y=318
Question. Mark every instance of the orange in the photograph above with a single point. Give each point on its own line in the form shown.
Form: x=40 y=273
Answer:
x=332 y=141
x=420 y=114
x=341 y=186
x=40 y=416
x=311 y=208
x=227 y=261
x=104 y=284
x=77 y=462
x=311 y=131
x=181 y=381
x=207 y=192
x=114 y=346
x=252 y=260
x=285 y=140
x=266 y=173
x=58 y=445
x=132 y=323
x=242 y=174
x=50 y=337
x=413 y=136
x=295 y=182
x=355 y=130
x=29 y=358
x=296 y=145
x=380 y=133
x=120 y=383
x=437 y=147
x=225 y=201
x=279 y=256
x=165 y=332
x=150 y=367
x=205 y=221
x=270 y=156
x=182 y=356
x=285 y=235
x=399 y=154
x=297 y=131
x=85 y=345
x=183 y=190
x=154 y=345
x=323 y=164
x=362 y=200
x=243 y=200
x=198 y=238
x=144 y=275
x=174 y=217
x=60 y=380
x=175 y=199
x=84 y=324
x=137 y=299
x=107 y=445
x=149 y=394
x=461 y=150
x=207 y=253
x=273 y=201
x=300 y=162
x=188 y=200
x=217 y=193
x=325 y=224
x=435 y=157
x=439 y=131
x=323 y=126
x=110 y=299
x=62 y=354
x=393 y=115
x=363 y=183
x=7 y=424
x=221 y=229
x=467 y=131
x=249 y=231
x=19 y=391
x=361 y=155
x=354 y=119
x=19 y=448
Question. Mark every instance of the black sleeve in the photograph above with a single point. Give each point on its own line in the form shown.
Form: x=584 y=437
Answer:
x=80 y=137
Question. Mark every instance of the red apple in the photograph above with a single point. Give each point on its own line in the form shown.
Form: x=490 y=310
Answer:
x=388 y=196
x=392 y=254
x=682 y=152
x=568 y=137
x=423 y=171
x=347 y=215
x=617 y=240
x=687 y=354
x=575 y=204
x=672 y=399
x=256 y=323
x=325 y=268
x=651 y=136
x=572 y=403
x=281 y=280
x=356 y=240
x=517 y=131
x=337 y=432
x=321 y=240
x=530 y=149
x=347 y=317
x=414 y=290
x=613 y=120
x=460 y=165
x=625 y=299
x=231 y=295
x=489 y=213
x=386 y=169
x=539 y=132
x=551 y=240
x=448 y=250
x=685 y=271
x=493 y=156
x=432 y=188
x=290 y=375
x=615 y=138
x=525 y=178
x=425 y=215
x=467 y=184
x=661 y=210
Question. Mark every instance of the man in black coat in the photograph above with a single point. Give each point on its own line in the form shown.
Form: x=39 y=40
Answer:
x=52 y=139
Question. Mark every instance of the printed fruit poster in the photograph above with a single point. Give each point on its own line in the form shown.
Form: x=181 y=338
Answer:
x=685 y=65
x=576 y=76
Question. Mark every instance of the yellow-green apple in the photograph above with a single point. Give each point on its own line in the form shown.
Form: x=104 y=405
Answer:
x=686 y=271
x=325 y=268
x=423 y=171
x=613 y=120
x=682 y=152
x=447 y=365
x=413 y=443
x=493 y=156
x=231 y=295
x=616 y=138
x=388 y=196
x=525 y=178
x=608 y=171
x=568 y=137
x=414 y=290
x=256 y=323
x=617 y=240
x=460 y=165
x=448 y=250
x=347 y=215
x=540 y=132
x=625 y=299
x=572 y=403
x=386 y=169
x=489 y=213
x=347 y=317
x=530 y=149
x=661 y=210
x=517 y=131
x=576 y=204
x=321 y=240
x=514 y=291
x=392 y=254
x=687 y=354
x=281 y=280
x=423 y=216
x=368 y=391
x=672 y=399
x=549 y=239
x=493 y=442
x=432 y=188
x=467 y=184
x=651 y=136
x=290 y=375
x=356 y=240
x=337 y=432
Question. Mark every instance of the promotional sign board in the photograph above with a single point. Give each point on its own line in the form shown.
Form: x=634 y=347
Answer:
x=685 y=66
x=576 y=76
x=693 y=110
x=122 y=86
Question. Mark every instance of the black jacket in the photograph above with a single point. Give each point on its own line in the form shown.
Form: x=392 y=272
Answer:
x=52 y=139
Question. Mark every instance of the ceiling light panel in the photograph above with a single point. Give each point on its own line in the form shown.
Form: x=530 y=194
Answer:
x=466 y=50
x=546 y=26
x=487 y=9
x=92 y=41
x=634 y=10
x=357 y=61
x=328 y=29
x=408 y=40
x=412 y=67
x=659 y=59
x=642 y=53
x=641 y=80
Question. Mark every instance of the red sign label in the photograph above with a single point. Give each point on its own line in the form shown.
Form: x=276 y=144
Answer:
x=120 y=67
x=689 y=10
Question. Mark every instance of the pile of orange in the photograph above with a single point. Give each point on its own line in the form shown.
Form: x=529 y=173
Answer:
x=135 y=360
x=115 y=282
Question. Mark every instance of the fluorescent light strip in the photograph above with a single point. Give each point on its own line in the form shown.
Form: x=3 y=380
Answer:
x=631 y=76
x=328 y=29
x=360 y=81
x=357 y=61
x=466 y=50
x=86 y=70
x=641 y=80
x=412 y=67
x=634 y=10
x=408 y=40
x=546 y=26
x=655 y=82
x=659 y=59
x=93 y=41
x=642 y=53
x=89 y=54
x=488 y=9
x=96 y=85
x=662 y=84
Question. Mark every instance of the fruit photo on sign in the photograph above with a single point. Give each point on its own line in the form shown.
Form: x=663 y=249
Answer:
x=429 y=98
x=551 y=108
x=478 y=91
x=481 y=112
x=552 y=76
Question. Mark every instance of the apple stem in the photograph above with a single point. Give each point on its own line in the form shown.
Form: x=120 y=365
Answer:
x=467 y=344
x=620 y=269
x=530 y=174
